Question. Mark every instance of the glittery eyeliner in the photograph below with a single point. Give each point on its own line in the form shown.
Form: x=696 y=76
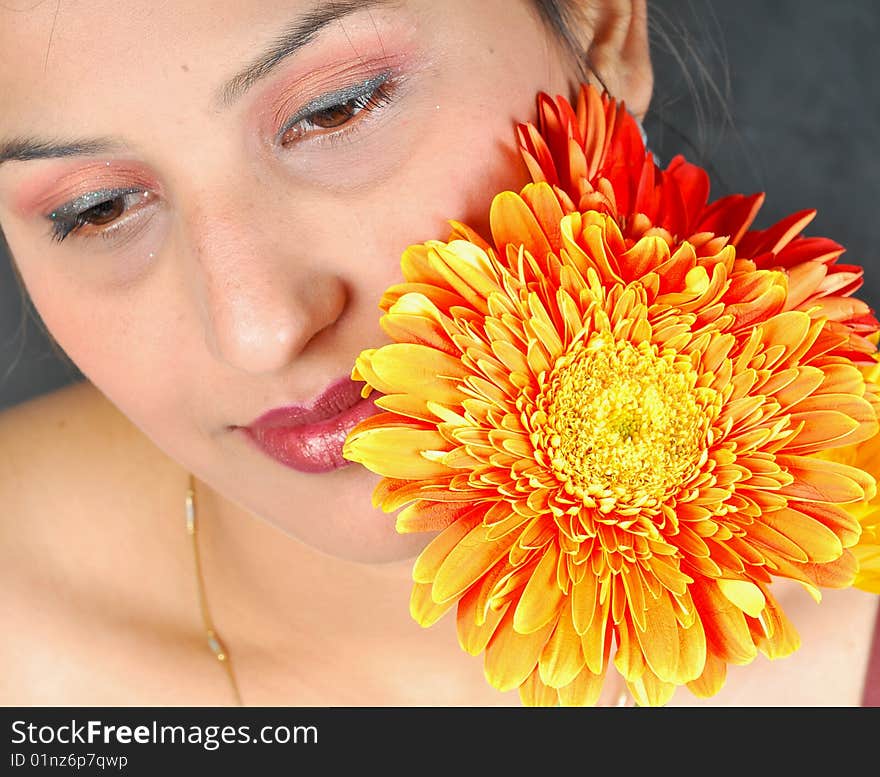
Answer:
x=333 y=99
x=66 y=217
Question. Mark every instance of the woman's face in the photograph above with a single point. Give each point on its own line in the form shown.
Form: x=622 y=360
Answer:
x=237 y=231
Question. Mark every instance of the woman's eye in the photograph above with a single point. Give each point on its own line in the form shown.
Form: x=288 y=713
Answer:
x=104 y=209
x=338 y=109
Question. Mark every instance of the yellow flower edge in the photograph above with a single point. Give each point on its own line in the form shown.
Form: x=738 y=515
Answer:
x=866 y=456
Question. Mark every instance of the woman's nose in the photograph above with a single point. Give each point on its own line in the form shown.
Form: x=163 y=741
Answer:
x=264 y=298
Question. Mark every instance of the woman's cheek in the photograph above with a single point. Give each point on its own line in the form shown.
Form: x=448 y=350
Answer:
x=123 y=342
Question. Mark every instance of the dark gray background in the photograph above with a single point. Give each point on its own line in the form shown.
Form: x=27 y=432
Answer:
x=780 y=96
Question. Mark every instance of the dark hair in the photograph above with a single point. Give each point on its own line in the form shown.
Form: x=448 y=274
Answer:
x=565 y=18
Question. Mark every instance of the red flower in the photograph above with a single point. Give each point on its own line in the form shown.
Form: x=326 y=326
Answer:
x=595 y=159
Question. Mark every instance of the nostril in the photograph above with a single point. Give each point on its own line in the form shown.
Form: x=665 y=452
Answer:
x=268 y=332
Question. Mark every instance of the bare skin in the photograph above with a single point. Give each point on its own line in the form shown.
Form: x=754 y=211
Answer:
x=245 y=288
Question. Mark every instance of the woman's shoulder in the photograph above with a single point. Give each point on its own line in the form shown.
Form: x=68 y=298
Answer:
x=85 y=550
x=72 y=449
x=46 y=429
x=52 y=452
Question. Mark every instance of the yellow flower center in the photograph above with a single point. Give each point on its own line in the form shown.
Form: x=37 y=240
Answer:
x=624 y=423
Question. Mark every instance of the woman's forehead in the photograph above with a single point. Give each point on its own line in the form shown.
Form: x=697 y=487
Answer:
x=84 y=45
x=58 y=54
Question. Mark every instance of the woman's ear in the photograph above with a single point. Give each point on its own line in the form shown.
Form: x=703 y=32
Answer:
x=619 y=52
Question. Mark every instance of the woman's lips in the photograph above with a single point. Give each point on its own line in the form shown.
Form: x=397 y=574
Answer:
x=309 y=438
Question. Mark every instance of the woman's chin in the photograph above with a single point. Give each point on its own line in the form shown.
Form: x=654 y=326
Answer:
x=346 y=526
x=372 y=540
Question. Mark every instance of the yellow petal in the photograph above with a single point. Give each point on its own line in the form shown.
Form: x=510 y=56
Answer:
x=744 y=594
x=397 y=452
x=419 y=370
x=534 y=693
x=510 y=656
x=423 y=609
x=436 y=551
x=541 y=600
x=650 y=691
x=584 y=599
x=583 y=691
x=561 y=660
x=659 y=639
x=468 y=561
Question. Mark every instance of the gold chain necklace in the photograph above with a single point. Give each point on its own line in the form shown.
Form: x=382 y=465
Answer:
x=214 y=642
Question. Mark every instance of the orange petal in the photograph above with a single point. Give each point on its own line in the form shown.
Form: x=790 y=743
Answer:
x=512 y=221
x=430 y=516
x=628 y=659
x=691 y=651
x=406 y=405
x=584 y=600
x=473 y=634
x=839 y=573
x=711 y=680
x=727 y=632
x=778 y=637
x=475 y=275
x=818 y=480
x=596 y=641
x=544 y=204
x=815 y=539
x=820 y=429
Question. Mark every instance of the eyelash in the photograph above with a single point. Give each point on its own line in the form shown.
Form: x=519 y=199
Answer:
x=365 y=103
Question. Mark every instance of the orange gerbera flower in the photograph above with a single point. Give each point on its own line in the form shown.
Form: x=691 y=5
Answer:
x=595 y=159
x=617 y=434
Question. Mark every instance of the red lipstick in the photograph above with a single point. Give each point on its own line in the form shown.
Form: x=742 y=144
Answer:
x=309 y=437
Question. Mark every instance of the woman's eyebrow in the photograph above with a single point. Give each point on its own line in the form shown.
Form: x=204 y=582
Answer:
x=297 y=35
x=22 y=149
